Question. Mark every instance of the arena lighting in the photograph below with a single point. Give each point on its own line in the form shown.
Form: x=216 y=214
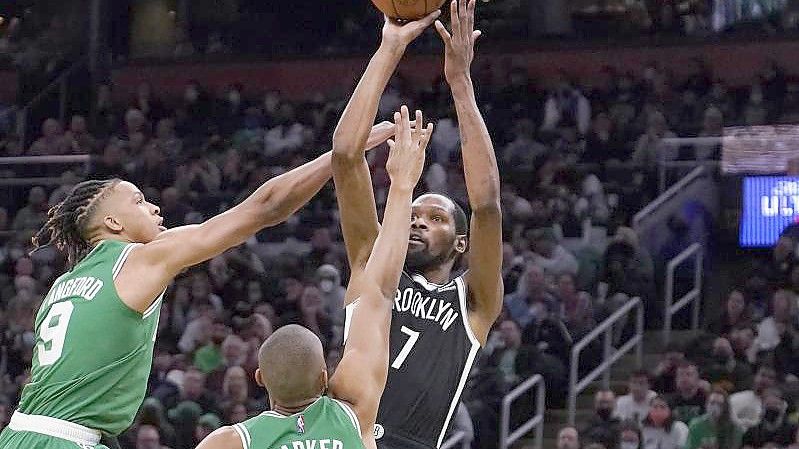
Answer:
x=2 y=20
x=759 y=149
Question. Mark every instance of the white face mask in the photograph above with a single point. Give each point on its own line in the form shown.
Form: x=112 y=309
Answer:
x=628 y=445
x=326 y=285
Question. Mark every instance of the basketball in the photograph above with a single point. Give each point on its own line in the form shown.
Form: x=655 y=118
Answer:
x=407 y=9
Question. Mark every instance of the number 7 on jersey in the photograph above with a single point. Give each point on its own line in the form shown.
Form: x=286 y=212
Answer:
x=413 y=336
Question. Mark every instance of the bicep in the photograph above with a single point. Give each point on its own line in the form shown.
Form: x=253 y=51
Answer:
x=484 y=278
x=223 y=438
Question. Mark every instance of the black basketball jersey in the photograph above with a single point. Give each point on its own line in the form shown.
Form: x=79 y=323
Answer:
x=432 y=349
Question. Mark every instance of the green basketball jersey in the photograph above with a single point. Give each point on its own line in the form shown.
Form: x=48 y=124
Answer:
x=93 y=353
x=325 y=424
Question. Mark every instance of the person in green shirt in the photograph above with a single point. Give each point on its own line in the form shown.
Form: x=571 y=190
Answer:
x=307 y=410
x=96 y=328
x=714 y=429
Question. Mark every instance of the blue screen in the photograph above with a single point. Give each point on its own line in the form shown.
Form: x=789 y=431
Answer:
x=770 y=203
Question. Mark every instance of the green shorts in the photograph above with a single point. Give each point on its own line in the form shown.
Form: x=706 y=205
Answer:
x=11 y=439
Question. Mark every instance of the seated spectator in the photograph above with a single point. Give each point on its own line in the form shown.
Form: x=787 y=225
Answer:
x=52 y=141
x=531 y=291
x=205 y=425
x=666 y=372
x=724 y=370
x=714 y=428
x=735 y=313
x=774 y=427
x=649 y=146
x=548 y=334
x=34 y=214
x=521 y=153
x=603 y=142
x=782 y=319
x=78 y=137
x=602 y=427
x=746 y=407
x=688 y=401
x=148 y=437
x=660 y=430
x=634 y=406
x=576 y=307
x=566 y=106
x=742 y=340
x=504 y=359
x=551 y=256
x=630 y=435
x=568 y=438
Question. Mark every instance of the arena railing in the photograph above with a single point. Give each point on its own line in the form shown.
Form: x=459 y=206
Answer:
x=29 y=161
x=508 y=437
x=692 y=296
x=672 y=145
x=609 y=355
x=457 y=439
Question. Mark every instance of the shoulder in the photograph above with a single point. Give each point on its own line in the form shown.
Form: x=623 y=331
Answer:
x=228 y=437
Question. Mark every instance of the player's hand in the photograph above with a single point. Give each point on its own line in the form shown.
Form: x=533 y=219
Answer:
x=459 y=45
x=406 y=158
x=401 y=34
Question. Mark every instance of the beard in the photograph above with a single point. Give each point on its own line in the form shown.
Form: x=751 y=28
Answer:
x=423 y=260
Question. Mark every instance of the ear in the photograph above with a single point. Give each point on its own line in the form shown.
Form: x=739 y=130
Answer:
x=258 y=379
x=112 y=224
x=461 y=244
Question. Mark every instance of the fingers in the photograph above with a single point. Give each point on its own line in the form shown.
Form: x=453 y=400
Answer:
x=476 y=34
x=391 y=143
x=426 y=135
x=454 y=19
x=417 y=128
x=463 y=18
x=442 y=31
x=398 y=127
x=428 y=20
x=470 y=16
x=406 y=125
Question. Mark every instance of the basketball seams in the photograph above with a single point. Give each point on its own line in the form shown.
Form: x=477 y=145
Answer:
x=396 y=11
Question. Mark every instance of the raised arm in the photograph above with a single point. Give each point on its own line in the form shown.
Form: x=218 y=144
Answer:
x=484 y=278
x=361 y=375
x=353 y=181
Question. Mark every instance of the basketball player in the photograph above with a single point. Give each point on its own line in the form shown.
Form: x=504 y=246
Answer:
x=438 y=322
x=304 y=412
x=96 y=328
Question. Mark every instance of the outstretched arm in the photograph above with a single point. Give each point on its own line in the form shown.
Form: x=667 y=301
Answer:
x=484 y=278
x=361 y=375
x=353 y=181
x=151 y=267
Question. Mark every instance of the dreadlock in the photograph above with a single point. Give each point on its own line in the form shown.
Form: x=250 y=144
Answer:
x=66 y=222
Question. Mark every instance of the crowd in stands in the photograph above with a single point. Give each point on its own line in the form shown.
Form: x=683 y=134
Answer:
x=573 y=156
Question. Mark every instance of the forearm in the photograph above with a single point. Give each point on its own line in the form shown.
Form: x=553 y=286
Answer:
x=479 y=161
x=352 y=131
x=391 y=245
x=281 y=196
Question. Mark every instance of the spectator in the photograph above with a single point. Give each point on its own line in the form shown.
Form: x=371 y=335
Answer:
x=634 y=406
x=505 y=359
x=568 y=438
x=551 y=256
x=603 y=143
x=34 y=214
x=735 y=313
x=774 y=428
x=185 y=416
x=746 y=407
x=152 y=414
x=576 y=306
x=52 y=141
x=630 y=435
x=566 y=106
x=531 y=294
x=205 y=425
x=725 y=371
x=78 y=137
x=521 y=152
x=194 y=390
x=649 y=147
x=602 y=427
x=714 y=429
x=148 y=437
x=781 y=320
x=688 y=401
x=666 y=372
x=660 y=430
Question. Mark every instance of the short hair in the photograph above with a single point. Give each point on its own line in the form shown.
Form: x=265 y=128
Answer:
x=291 y=361
x=461 y=221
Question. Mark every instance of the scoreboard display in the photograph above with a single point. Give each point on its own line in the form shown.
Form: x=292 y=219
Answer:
x=770 y=204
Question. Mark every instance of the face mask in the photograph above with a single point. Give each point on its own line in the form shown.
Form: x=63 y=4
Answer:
x=604 y=413
x=628 y=445
x=234 y=97
x=771 y=414
x=326 y=285
x=714 y=410
x=191 y=95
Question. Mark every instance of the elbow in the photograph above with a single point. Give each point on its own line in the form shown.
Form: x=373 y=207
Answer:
x=490 y=208
x=343 y=156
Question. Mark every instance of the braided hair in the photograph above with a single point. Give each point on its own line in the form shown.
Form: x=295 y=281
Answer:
x=66 y=222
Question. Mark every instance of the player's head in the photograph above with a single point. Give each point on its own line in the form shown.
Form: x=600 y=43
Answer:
x=439 y=232
x=291 y=365
x=96 y=210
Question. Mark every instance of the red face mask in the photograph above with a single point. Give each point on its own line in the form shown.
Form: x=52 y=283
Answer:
x=659 y=416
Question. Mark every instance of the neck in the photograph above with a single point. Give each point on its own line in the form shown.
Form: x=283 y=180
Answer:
x=290 y=409
x=438 y=274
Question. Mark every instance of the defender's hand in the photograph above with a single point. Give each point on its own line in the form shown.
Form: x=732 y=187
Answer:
x=406 y=158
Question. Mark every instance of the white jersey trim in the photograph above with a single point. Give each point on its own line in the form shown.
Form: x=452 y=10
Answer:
x=350 y=413
x=465 y=311
x=244 y=434
x=123 y=256
x=348 y=315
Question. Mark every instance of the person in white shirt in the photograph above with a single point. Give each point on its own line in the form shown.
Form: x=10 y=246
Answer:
x=783 y=311
x=746 y=407
x=660 y=430
x=634 y=406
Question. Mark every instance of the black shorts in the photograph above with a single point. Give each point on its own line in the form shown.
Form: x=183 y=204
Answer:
x=400 y=442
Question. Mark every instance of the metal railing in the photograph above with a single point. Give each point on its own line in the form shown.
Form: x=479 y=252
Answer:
x=664 y=197
x=61 y=84
x=506 y=437
x=83 y=159
x=609 y=355
x=458 y=438
x=693 y=296
x=672 y=145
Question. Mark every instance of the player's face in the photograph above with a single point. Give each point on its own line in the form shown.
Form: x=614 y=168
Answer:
x=433 y=239
x=128 y=212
